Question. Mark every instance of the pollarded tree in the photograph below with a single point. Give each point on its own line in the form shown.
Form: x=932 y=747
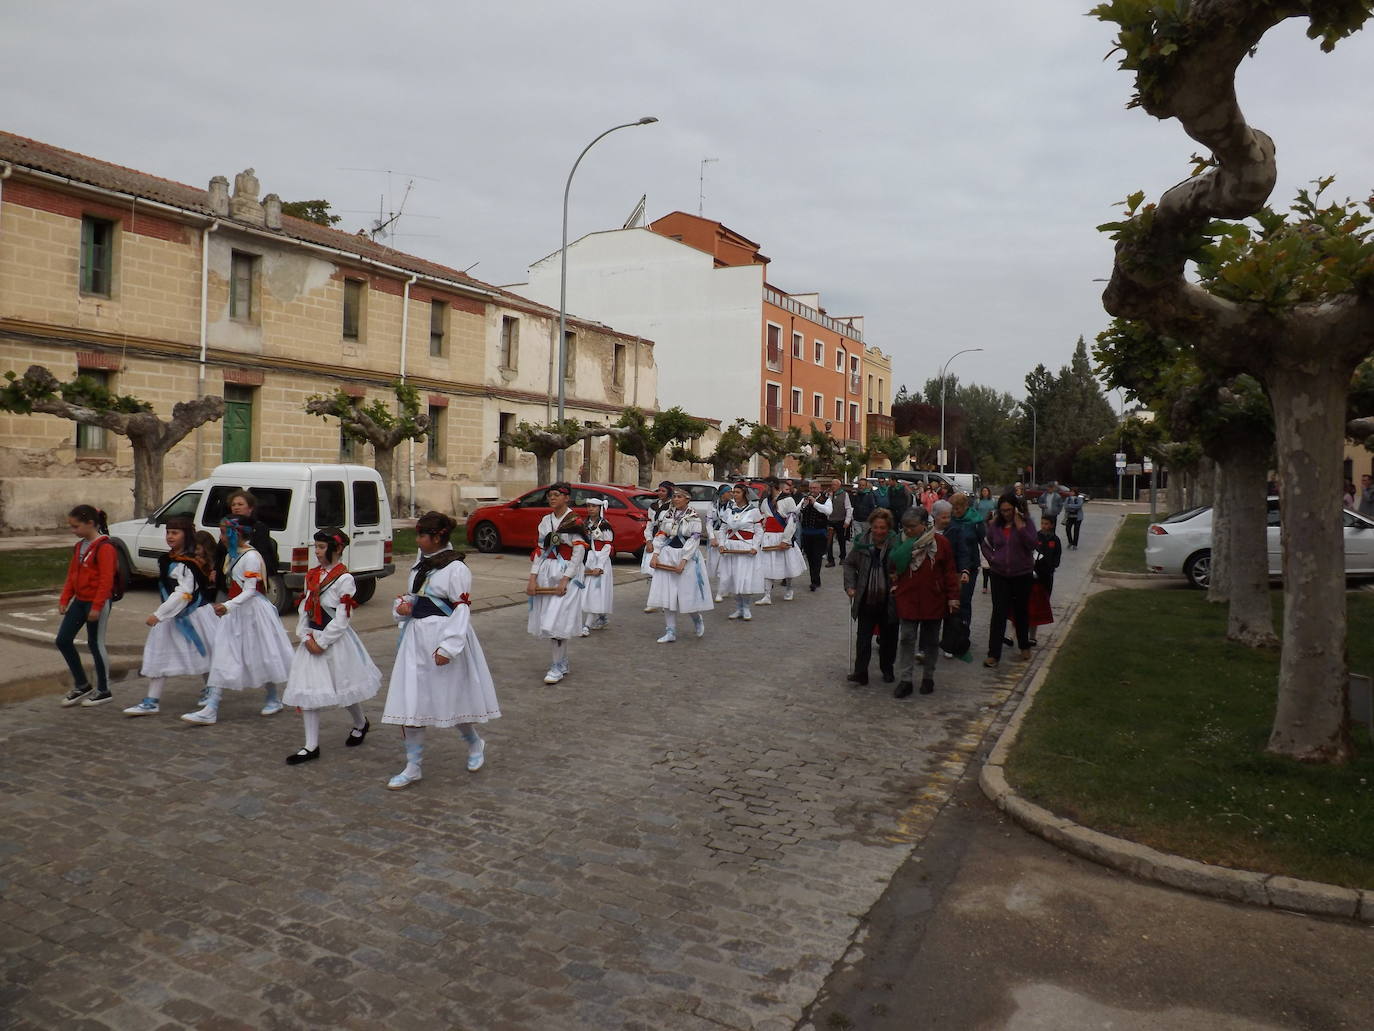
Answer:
x=820 y=454
x=730 y=453
x=774 y=447
x=546 y=441
x=895 y=449
x=374 y=423
x=1289 y=301
x=644 y=441
x=85 y=401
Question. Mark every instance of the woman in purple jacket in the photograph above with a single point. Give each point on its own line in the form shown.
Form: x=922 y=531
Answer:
x=1010 y=549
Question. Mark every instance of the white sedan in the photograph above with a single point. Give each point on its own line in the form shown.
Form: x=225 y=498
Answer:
x=1183 y=544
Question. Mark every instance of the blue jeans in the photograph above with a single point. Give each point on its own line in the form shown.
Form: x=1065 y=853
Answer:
x=72 y=622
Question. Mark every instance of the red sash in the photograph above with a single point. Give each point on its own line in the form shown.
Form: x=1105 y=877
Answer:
x=741 y=535
x=600 y=546
x=771 y=524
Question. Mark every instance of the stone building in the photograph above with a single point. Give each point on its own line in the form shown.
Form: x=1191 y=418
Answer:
x=166 y=292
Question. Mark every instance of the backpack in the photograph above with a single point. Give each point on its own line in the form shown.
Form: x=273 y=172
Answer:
x=121 y=577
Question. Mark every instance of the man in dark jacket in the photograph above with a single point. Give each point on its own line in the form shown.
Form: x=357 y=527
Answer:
x=867 y=581
x=965 y=530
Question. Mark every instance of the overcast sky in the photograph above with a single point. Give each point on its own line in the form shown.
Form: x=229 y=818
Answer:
x=938 y=169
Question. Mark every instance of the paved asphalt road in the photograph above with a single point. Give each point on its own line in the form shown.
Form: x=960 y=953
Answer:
x=682 y=836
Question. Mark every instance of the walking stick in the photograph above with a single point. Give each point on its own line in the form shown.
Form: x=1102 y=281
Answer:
x=853 y=633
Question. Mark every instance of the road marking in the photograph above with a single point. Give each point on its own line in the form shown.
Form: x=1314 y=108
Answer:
x=26 y=630
x=32 y=616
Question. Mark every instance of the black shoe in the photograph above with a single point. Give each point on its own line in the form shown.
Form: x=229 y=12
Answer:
x=74 y=696
x=858 y=678
x=814 y=586
x=1033 y=642
x=927 y=685
x=830 y=563
x=889 y=676
x=303 y=755
x=903 y=690
x=355 y=736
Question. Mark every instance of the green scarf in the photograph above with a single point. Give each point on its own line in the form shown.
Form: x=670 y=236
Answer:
x=917 y=548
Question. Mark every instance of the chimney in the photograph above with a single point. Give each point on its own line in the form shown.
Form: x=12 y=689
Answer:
x=244 y=204
x=218 y=198
x=271 y=208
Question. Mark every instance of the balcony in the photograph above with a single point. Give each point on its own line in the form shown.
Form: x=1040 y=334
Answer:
x=772 y=415
x=774 y=357
x=880 y=425
x=855 y=383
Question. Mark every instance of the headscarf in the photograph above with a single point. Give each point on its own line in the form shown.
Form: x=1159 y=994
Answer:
x=234 y=530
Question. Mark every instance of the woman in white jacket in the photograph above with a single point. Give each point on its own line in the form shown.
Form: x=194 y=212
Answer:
x=680 y=583
x=331 y=668
x=440 y=677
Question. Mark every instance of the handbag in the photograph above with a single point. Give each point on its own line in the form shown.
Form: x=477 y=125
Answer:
x=954 y=636
x=1039 y=610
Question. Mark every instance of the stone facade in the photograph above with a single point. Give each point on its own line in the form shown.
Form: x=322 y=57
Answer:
x=291 y=309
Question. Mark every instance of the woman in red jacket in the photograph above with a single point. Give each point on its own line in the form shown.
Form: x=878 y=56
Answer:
x=925 y=588
x=85 y=602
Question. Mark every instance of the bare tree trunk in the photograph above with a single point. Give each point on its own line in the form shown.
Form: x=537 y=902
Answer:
x=384 y=460
x=1176 y=478
x=147 y=477
x=543 y=468
x=1205 y=481
x=1219 y=580
x=1309 y=417
x=1251 y=617
x=645 y=472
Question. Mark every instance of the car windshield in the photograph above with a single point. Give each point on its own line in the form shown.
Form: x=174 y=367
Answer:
x=644 y=501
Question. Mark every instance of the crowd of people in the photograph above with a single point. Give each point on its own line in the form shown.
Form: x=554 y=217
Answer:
x=911 y=562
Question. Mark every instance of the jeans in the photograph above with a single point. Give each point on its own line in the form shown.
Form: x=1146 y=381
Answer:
x=1010 y=597
x=72 y=623
x=838 y=532
x=917 y=635
x=1071 y=528
x=813 y=547
x=863 y=643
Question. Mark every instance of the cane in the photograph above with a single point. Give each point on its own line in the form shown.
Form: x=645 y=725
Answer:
x=853 y=633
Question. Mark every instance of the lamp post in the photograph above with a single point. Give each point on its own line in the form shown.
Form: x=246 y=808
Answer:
x=943 y=369
x=563 y=281
x=1034 y=419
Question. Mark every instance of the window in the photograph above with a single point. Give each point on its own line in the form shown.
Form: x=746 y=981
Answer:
x=505 y=423
x=774 y=352
x=839 y=359
x=798 y=345
x=438 y=325
x=353 y=309
x=348 y=447
x=773 y=405
x=570 y=343
x=818 y=352
x=184 y=505
x=870 y=392
x=796 y=400
x=618 y=365
x=839 y=410
x=853 y=421
x=329 y=504
x=817 y=406
x=435 y=437
x=93 y=440
x=510 y=339
x=367 y=505
x=534 y=499
x=97 y=256
x=273 y=505
x=242 y=269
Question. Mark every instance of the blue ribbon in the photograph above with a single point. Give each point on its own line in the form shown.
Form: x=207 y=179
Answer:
x=182 y=620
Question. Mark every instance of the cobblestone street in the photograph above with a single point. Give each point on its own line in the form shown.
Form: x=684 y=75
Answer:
x=679 y=836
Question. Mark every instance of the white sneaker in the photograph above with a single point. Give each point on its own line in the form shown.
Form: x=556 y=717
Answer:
x=202 y=717
x=767 y=599
x=272 y=708
x=787 y=594
x=650 y=608
x=586 y=631
x=477 y=758
x=553 y=676
x=699 y=625
x=403 y=780
x=147 y=707
x=737 y=614
x=719 y=599
x=668 y=638
x=747 y=615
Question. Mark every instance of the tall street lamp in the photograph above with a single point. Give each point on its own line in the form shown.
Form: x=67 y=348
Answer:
x=563 y=279
x=1033 y=421
x=943 y=369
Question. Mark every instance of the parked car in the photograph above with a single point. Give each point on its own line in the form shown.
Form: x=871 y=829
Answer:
x=1182 y=543
x=705 y=493
x=294 y=501
x=515 y=524
x=967 y=483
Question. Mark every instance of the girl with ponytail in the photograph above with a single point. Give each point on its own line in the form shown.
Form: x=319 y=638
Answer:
x=85 y=601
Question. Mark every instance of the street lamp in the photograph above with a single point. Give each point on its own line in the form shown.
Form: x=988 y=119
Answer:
x=1033 y=421
x=943 y=369
x=563 y=279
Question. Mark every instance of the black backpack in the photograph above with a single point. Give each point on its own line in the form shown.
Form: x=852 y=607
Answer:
x=121 y=577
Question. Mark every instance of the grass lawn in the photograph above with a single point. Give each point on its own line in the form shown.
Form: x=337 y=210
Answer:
x=403 y=541
x=33 y=569
x=1152 y=726
x=1127 y=554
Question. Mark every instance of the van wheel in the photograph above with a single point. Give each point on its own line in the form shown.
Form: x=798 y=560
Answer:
x=486 y=538
x=1198 y=569
x=279 y=595
x=363 y=590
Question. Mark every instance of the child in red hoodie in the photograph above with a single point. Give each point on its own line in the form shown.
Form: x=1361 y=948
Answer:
x=85 y=602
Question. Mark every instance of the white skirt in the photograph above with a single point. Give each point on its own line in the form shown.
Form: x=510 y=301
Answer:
x=598 y=596
x=552 y=615
x=207 y=623
x=167 y=652
x=779 y=565
x=251 y=648
x=712 y=560
x=344 y=675
x=740 y=573
x=688 y=591
x=425 y=695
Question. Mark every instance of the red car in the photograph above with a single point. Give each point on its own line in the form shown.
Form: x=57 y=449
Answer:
x=515 y=524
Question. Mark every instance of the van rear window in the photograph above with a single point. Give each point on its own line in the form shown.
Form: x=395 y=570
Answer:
x=329 y=504
x=273 y=505
x=367 y=509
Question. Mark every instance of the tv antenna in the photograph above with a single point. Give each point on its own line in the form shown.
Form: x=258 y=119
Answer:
x=701 y=184
x=387 y=223
x=383 y=225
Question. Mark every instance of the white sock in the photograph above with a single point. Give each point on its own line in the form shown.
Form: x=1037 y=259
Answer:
x=212 y=699
x=415 y=746
x=311 y=717
x=470 y=735
x=356 y=711
x=670 y=620
x=272 y=694
x=155 y=687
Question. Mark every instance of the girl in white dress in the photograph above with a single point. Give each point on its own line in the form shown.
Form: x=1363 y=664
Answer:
x=680 y=583
x=176 y=646
x=251 y=649
x=779 y=557
x=331 y=667
x=598 y=596
x=665 y=495
x=440 y=678
x=741 y=537
x=713 y=536
x=555 y=584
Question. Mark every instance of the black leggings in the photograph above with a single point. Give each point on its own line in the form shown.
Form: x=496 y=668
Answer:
x=1071 y=528
x=1010 y=598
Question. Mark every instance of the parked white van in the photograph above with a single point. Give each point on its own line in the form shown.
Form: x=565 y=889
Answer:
x=294 y=501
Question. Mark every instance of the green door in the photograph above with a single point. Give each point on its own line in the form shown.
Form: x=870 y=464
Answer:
x=238 y=424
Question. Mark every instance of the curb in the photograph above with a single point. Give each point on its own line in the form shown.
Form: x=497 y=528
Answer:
x=1142 y=861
